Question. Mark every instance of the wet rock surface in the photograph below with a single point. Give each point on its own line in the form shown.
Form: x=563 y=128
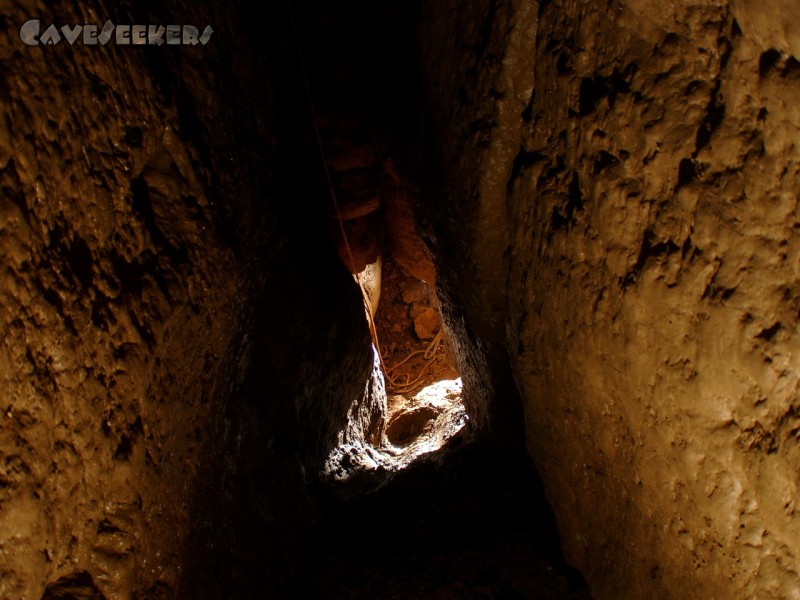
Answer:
x=471 y=527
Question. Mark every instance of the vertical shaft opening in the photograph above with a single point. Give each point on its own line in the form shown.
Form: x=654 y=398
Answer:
x=412 y=403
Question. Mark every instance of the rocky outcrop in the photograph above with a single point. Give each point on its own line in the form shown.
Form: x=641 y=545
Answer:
x=622 y=180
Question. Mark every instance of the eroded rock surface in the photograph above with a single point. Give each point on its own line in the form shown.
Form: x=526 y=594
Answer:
x=160 y=406
x=624 y=176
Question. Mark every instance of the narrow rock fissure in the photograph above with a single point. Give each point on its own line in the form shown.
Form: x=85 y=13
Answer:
x=412 y=504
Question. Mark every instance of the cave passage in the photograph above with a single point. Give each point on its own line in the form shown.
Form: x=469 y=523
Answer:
x=415 y=502
x=239 y=365
x=414 y=391
x=371 y=298
x=414 y=387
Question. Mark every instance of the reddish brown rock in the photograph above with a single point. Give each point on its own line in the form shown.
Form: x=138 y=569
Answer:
x=426 y=322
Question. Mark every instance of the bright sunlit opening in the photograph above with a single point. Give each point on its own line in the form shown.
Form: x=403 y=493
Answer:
x=415 y=427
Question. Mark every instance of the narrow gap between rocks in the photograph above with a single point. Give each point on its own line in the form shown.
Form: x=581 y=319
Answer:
x=413 y=503
x=412 y=405
x=206 y=401
x=413 y=396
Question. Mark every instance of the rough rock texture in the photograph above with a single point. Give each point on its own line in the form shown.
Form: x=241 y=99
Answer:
x=473 y=525
x=622 y=179
x=425 y=428
x=161 y=407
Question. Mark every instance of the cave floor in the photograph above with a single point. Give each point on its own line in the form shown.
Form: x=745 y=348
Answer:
x=476 y=526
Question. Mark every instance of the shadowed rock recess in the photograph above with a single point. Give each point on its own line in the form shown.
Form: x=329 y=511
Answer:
x=586 y=210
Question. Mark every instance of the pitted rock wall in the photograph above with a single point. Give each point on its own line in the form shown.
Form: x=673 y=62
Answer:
x=625 y=175
x=164 y=390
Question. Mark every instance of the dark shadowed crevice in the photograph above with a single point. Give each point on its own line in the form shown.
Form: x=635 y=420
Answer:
x=362 y=66
x=76 y=586
x=201 y=349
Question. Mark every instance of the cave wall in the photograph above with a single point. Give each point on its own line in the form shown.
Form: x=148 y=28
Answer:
x=165 y=332
x=622 y=180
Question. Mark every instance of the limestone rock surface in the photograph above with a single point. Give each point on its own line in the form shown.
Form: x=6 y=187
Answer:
x=622 y=182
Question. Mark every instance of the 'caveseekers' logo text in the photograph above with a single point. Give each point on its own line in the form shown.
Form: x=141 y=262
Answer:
x=123 y=35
